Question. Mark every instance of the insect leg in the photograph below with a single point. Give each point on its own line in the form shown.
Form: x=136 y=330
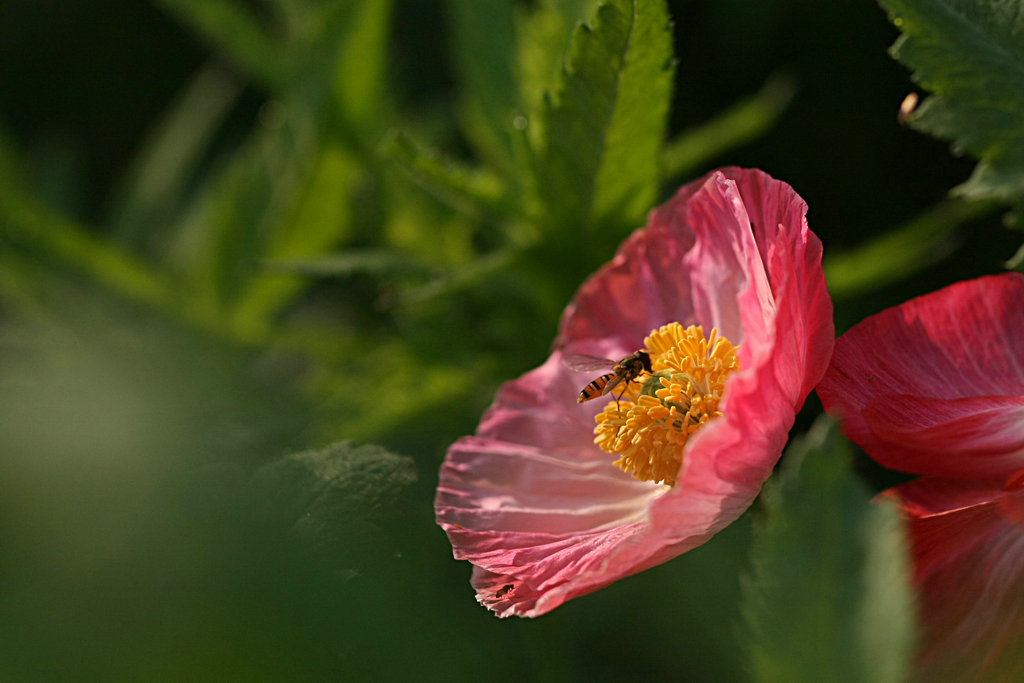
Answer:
x=625 y=385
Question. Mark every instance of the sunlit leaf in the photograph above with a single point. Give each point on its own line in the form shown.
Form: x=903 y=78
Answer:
x=242 y=208
x=465 y=277
x=828 y=598
x=970 y=56
x=360 y=78
x=605 y=127
x=544 y=35
x=314 y=223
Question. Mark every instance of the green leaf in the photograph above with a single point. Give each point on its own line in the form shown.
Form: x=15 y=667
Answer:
x=360 y=77
x=236 y=32
x=284 y=195
x=466 y=277
x=159 y=175
x=483 y=50
x=828 y=598
x=242 y=206
x=970 y=55
x=31 y=226
x=1016 y=262
x=740 y=123
x=472 y=191
x=901 y=253
x=605 y=127
x=316 y=221
x=376 y=262
x=331 y=495
x=544 y=36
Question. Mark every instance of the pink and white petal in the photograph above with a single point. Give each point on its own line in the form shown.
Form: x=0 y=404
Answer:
x=974 y=437
x=968 y=555
x=725 y=263
x=553 y=570
x=540 y=409
x=538 y=508
x=478 y=490
x=784 y=355
x=787 y=337
x=749 y=228
x=532 y=499
x=783 y=307
x=787 y=343
x=727 y=461
x=643 y=287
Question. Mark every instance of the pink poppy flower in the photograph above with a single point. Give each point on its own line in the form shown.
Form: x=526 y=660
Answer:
x=534 y=500
x=935 y=387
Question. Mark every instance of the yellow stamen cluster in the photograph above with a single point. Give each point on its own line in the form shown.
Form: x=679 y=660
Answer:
x=648 y=427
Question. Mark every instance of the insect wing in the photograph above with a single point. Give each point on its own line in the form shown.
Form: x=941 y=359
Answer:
x=581 y=362
x=612 y=383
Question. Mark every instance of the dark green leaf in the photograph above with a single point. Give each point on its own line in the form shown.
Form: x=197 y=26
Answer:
x=828 y=598
x=158 y=177
x=1016 y=261
x=970 y=55
x=605 y=127
x=901 y=253
x=334 y=495
x=236 y=32
x=740 y=123
x=484 y=51
x=45 y=232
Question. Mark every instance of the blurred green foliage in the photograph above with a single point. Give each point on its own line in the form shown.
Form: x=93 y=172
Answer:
x=844 y=611
x=232 y=231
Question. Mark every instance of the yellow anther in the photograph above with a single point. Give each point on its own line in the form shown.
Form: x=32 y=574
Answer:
x=649 y=426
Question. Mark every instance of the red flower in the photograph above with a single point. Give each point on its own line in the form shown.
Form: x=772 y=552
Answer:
x=533 y=501
x=936 y=387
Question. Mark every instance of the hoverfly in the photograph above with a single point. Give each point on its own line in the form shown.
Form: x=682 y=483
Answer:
x=623 y=372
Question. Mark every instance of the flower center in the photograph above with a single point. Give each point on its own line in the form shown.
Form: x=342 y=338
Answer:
x=648 y=425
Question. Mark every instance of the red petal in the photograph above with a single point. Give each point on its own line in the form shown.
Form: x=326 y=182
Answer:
x=969 y=567
x=912 y=374
x=978 y=436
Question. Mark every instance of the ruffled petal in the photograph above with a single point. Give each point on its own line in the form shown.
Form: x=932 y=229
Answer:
x=643 y=287
x=786 y=316
x=538 y=508
x=533 y=501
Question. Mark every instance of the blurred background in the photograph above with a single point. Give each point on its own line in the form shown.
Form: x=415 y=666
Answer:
x=236 y=232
